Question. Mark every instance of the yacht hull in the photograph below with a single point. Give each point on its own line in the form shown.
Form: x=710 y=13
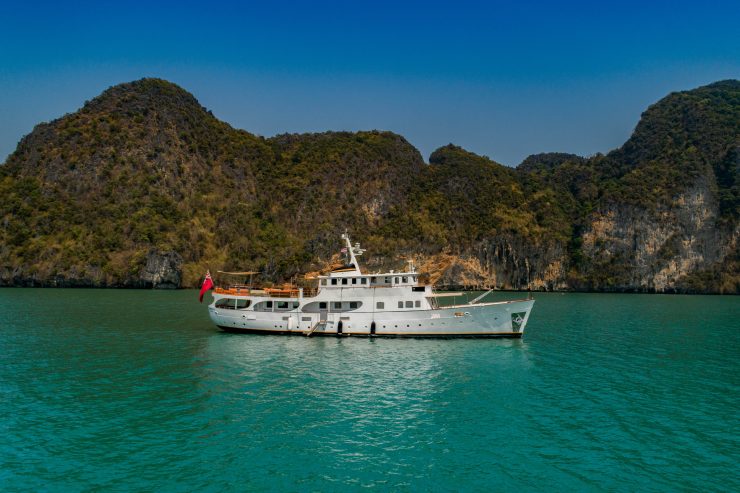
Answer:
x=472 y=335
x=498 y=319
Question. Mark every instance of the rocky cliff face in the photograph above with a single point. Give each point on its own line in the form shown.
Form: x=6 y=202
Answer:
x=143 y=187
x=163 y=270
x=653 y=250
x=503 y=263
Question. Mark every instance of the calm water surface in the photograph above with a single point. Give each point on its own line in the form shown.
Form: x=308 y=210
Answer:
x=137 y=391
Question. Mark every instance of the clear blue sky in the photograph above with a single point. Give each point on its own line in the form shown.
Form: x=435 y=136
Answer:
x=504 y=79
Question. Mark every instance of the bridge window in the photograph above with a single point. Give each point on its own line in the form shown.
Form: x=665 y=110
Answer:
x=363 y=280
x=337 y=305
x=405 y=279
x=396 y=282
x=333 y=282
x=323 y=282
x=380 y=305
x=409 y=304
x=322 y=305
x=417 y=303
x=387 y=280
x=400 y=304
x=352 y=305
x=354 y=280
x=373 y=280
x=268 y=304
x=344 y=281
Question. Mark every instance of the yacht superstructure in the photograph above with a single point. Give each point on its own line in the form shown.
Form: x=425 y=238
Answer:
x=347 y=302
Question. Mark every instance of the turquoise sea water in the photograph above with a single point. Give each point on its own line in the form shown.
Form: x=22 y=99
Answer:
x=137 y=391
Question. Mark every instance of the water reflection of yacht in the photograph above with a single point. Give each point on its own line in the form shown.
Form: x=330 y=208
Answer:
x=348 y=302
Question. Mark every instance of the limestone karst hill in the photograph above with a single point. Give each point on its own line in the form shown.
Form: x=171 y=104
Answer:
x=144 y=187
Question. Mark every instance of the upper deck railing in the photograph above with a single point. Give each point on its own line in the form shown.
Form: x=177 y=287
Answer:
x=284 y=292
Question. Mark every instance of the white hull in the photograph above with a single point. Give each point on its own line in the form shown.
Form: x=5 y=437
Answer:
x=499 y=319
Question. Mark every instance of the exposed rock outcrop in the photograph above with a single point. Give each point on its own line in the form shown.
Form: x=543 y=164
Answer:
x=642 y=250
x=163 y=270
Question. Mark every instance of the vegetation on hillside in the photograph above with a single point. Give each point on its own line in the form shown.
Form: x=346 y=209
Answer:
x=143 y=167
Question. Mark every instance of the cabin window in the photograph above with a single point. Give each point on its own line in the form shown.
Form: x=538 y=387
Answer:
x=344 y=281
x=373 y=280
x=323 y=282
x=417 y=304
x=417 y=288
x=352 y=305
x=409 y=304
x=295 y=305
x=282 y=305
x=322 y=305
x=396 y=281
x=413 y=278
x=400 y=304
x=387 y=280
x=337 y=305
x=263 y=306
x=354 y=280
x=363 y=280
x=231 y=303
x=405 y=279
x=333 y=282
x=380 y=305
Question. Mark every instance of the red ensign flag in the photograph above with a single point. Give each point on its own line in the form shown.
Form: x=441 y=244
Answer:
x=207 y=284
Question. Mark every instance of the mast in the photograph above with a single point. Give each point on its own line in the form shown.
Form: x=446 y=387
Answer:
x=354 y=252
